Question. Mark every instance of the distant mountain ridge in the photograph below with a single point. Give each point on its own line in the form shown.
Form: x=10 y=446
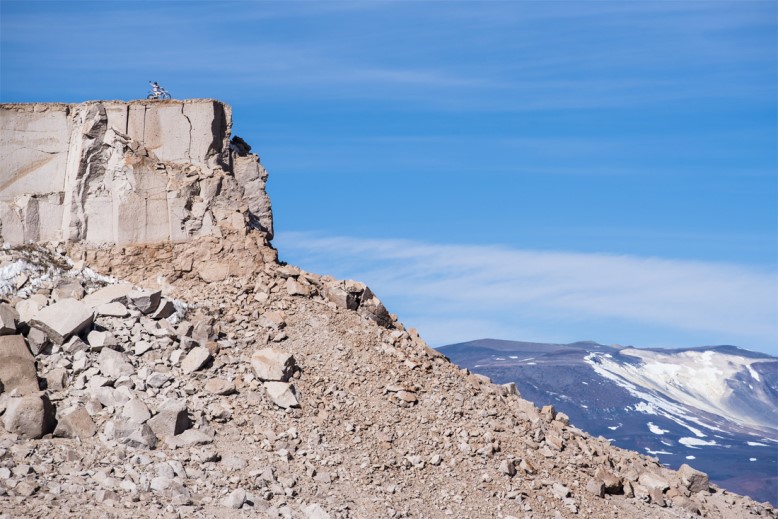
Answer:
x=714 y=407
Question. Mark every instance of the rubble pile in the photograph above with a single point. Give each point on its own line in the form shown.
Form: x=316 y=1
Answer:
x=282 y=393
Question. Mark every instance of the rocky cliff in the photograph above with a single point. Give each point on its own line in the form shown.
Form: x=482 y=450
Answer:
x=169 y=370
x=125 y=173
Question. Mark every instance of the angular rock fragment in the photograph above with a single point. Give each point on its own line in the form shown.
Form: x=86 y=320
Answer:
x=508 y=468
x=188 y=438
x=37 y=340
x=315 y=511
x=30 y=416
x=272 y=364
x=693 y=479
x=613 y=483
x=274 y=320
x=145 y=301
x=195 y=359
x=108 y=294
x=62 y=319
x=68 y=289
x=27 y=308
x=76 y=423
x=235 y=499
x=8 y=319
x=165 y=309
x=372 y=307
x=171 y=419
x=283 y=394
x=219 y=386
x=651 y=481
x=56 y=379
x=132 y=434
x=114 y=364
x=17 y=366
x=294 y=288
x=98 y=340
x=136 y=411
x=595 y=487
x=114 y=309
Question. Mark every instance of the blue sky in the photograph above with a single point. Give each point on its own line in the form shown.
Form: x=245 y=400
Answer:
x=618 y=158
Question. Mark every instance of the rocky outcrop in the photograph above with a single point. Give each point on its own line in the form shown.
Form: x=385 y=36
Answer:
x=126 y=173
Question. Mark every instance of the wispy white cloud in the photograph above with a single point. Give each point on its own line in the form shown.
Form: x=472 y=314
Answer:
x=460 y=292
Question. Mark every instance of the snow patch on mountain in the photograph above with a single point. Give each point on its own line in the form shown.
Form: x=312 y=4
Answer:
x=673 y=383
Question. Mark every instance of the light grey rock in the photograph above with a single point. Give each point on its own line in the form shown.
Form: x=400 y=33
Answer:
x=30 y=416
x=315 y=511
x=37 y=340
x=136 y=411
x=17 y=366
x=171 y=419
x=62 y=319
x=27 y=308
x=76 y=423
x=218 y=386
x=650 y=481
x=68 y=289
x=508 y=468
x=294 y=288
x=109 y=396
x=560 y=491
x=114 y=364
x=693 y=479
x=195 y=359
x=275 y=320
x=146 y=301
x=8 y=319
x=595 y=487
x=69 y=147
x=273 y=365
x=115 y=309
x=157 y=379
x=283 y=394
x=56 y=379
x=142 y=347
x=235 y=499
x=188 y=438
x=132 y=434
x=98 y=340
x=108 y=294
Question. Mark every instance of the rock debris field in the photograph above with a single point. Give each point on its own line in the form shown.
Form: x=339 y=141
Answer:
x=280 y=394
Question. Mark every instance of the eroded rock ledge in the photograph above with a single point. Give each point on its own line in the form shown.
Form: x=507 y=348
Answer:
x=115 y=172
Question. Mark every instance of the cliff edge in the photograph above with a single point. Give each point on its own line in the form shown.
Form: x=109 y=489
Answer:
x=126 y=173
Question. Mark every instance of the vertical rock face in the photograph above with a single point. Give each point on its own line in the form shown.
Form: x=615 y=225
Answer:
x=126 y=173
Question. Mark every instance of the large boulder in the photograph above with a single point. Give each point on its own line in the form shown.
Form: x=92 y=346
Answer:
x=63 y=319
x=30 y=416
x=8 y=319
x=17 y=366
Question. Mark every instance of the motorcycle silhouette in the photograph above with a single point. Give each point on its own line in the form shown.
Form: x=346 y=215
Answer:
x=157 y=92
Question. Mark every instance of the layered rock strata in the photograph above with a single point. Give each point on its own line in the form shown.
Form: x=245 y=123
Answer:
x=126 y=173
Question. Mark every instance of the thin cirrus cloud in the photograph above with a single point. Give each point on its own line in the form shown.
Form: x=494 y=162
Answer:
x=453 y=293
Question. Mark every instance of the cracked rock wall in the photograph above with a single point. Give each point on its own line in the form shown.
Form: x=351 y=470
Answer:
x=114 y=172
